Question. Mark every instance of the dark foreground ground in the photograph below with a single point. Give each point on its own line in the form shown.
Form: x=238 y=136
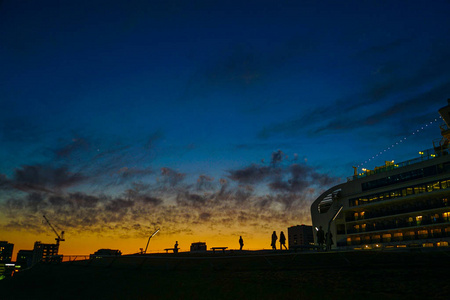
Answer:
x=256 y=275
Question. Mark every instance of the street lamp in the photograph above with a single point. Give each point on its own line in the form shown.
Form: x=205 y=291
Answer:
x=149 y=240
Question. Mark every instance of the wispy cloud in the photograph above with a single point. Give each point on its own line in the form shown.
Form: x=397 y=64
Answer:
x=244 y=65
x=76 y=144
x=345 y=117
x=169 y=202
x=408 y=88
x=171 y=177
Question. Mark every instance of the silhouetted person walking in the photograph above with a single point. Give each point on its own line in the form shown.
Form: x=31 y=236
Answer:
x=241 y=243
x=282 y=241
x=274 y=240
x=320 y=237
x=175 y=248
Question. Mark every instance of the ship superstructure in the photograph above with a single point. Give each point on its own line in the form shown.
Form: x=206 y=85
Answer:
x=397 y=205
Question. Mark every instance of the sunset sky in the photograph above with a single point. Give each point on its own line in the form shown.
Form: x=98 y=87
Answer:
x=208 y=119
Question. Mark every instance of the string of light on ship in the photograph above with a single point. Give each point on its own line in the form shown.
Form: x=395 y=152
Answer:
x=400 y=141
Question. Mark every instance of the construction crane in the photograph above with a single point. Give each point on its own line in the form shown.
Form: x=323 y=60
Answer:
x=60 y=238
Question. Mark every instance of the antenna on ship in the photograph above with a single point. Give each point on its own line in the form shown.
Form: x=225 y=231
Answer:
x=445 y=115
x=445 y=131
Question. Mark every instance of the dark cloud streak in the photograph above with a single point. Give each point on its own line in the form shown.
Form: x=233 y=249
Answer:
x=45 y=178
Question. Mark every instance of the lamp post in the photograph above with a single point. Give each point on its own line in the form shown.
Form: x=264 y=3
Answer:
x=149 y=240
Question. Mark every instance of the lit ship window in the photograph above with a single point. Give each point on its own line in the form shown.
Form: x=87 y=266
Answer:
x=445 y=216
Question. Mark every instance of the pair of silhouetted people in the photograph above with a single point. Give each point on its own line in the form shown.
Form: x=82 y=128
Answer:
x=175 y=247
x=282 y=240
x=323 y=237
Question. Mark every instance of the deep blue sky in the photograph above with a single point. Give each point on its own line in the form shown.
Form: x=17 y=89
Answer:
x=193 y=98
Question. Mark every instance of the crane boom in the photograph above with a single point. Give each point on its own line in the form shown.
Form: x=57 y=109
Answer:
x=59 y=238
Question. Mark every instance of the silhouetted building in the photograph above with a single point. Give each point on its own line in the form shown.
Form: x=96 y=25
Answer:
x=6 y=250
x=46 y=253
x=24 y=258
x=198 y=247
x=105 y=253
x=300 y=235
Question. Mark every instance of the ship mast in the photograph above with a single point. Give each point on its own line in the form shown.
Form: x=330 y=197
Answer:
x=445 y=129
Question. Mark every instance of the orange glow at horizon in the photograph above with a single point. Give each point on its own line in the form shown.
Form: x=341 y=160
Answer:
x=83 y=245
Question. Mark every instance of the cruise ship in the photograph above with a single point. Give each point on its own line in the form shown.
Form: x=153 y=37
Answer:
x=397 y=205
